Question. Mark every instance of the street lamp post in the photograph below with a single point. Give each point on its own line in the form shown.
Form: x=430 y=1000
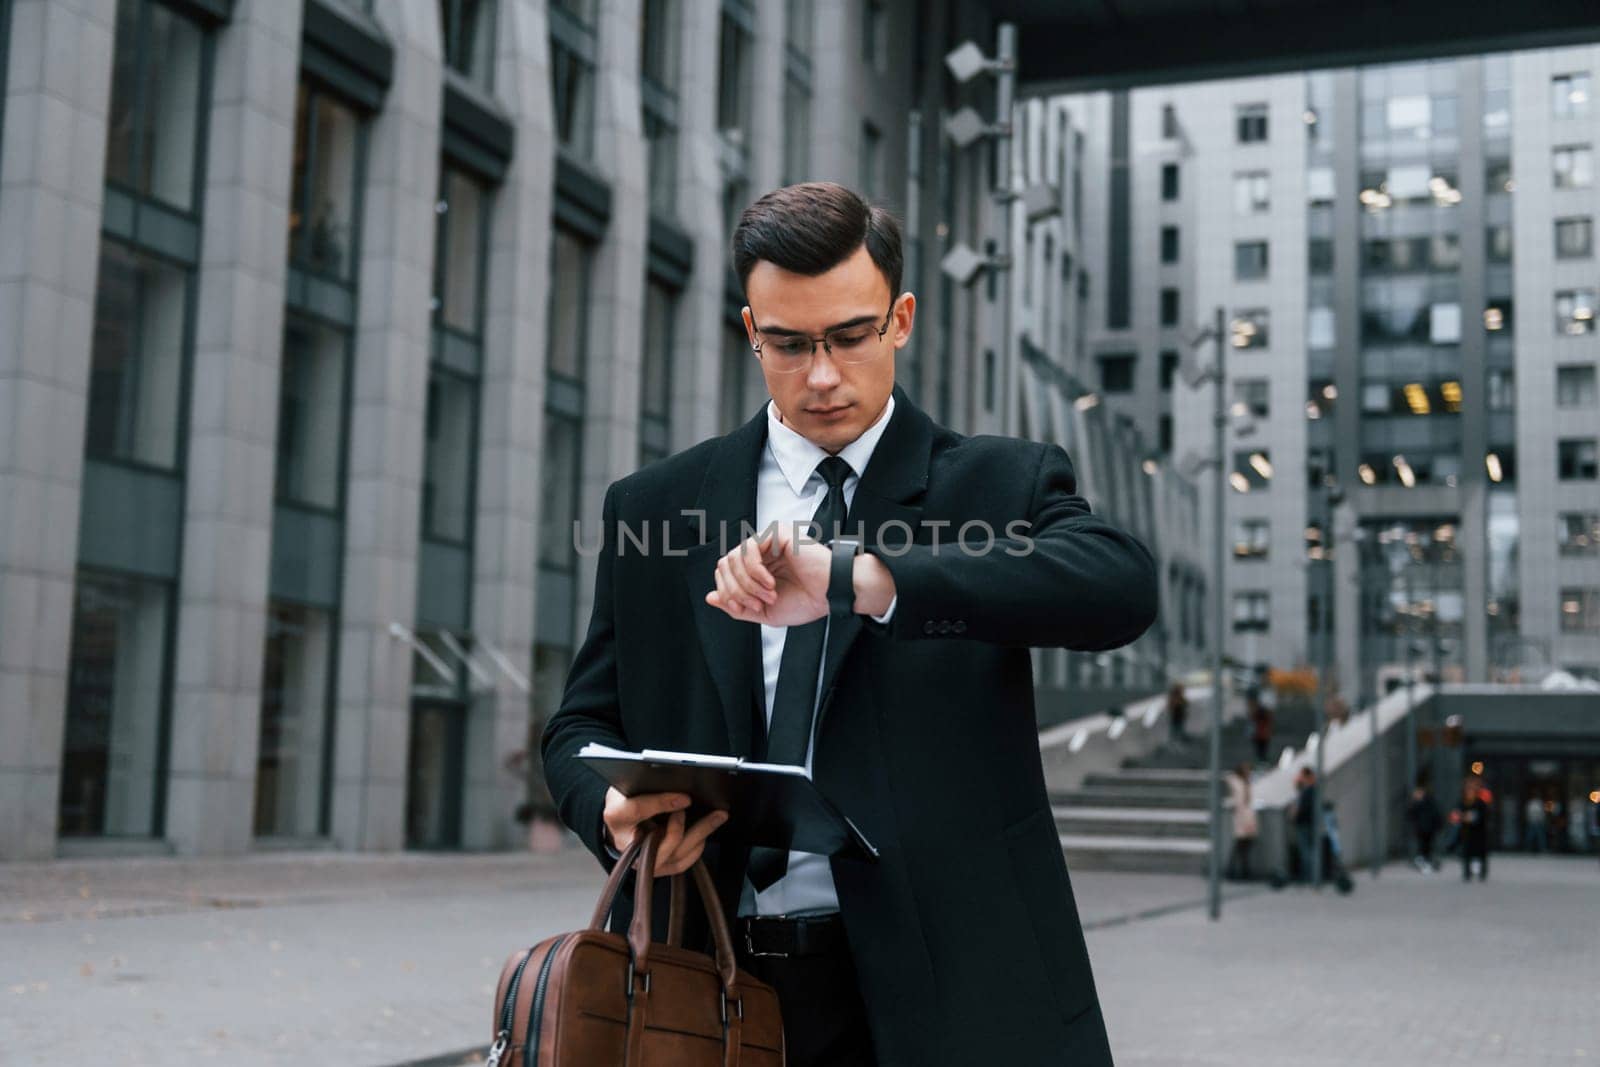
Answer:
x=1194 y=377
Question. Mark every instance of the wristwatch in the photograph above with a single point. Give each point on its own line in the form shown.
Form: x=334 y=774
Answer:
x=841 y=576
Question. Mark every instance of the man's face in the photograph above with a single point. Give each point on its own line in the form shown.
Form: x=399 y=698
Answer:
x=826 y=400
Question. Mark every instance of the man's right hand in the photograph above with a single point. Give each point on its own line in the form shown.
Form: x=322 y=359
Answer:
x=680 y=847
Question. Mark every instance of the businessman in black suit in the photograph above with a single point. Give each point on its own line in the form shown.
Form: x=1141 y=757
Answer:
x=889 y=654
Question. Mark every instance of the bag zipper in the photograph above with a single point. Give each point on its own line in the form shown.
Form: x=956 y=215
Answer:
x=530 y=1048
x=503 y=1037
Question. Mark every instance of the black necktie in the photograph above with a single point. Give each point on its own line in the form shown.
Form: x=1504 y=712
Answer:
x=794 y=703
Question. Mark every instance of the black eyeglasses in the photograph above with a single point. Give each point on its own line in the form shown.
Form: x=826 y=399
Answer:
x=790 y=353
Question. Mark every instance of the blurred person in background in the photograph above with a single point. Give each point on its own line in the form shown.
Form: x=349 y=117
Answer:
x=1302 y=811
x=1177 y=714
x=1260 y=725
x=1534 y=838
x=1471 y=818
x=1423 y=813
x=1245 y=826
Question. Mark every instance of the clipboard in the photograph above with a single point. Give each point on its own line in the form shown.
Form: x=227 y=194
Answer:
x=773 y=805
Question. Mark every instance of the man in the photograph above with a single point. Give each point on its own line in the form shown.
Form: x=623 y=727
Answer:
x=1305 y=811
x=910 y=698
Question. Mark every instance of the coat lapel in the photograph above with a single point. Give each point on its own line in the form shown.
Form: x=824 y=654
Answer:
x=732 y=649
x=890 y=493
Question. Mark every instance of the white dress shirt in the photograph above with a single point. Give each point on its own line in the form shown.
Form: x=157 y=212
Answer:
x=789 y=490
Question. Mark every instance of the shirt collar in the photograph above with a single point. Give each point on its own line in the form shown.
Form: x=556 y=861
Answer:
x=798 y=458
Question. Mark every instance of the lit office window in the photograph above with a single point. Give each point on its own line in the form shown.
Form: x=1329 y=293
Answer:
x=1578 y=533
x=1575 y=311
x=1572 y=166
x=1569 y=95
x=1251 y=539
x=1250 y=328
x=1255 y=394
x=1580 y=610
x=1252 y=192
x=116 y=707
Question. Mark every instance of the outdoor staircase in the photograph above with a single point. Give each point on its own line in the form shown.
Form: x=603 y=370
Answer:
x=1152 y=815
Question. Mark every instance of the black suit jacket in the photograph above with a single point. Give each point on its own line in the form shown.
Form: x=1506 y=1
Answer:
x=965 y=933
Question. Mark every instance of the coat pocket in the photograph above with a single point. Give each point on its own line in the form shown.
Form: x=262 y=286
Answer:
x=1046 y=893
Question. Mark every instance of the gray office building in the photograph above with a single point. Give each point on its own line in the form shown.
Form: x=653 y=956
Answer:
x=323 y=322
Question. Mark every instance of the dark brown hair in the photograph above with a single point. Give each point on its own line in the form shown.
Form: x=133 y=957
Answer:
x=813 y=227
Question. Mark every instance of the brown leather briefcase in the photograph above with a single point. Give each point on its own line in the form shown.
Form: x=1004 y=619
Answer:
x=598 y=999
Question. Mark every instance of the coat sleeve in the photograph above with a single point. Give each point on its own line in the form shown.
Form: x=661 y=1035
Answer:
x=1060 y=577
x=590 y=711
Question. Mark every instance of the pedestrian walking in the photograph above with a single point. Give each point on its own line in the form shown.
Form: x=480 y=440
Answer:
x=1177 y=714
x=1245 y=824
x=1471 y=818
x=1304 y=809
x=1422 y=812
x=1534 y=837
x=1260 y=725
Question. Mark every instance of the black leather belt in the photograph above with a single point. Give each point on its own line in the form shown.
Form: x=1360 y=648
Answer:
x=782 y=937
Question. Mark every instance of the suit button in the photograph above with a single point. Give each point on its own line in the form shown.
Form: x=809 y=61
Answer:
x=927 y=627
x=944 y=626
x=960 y=626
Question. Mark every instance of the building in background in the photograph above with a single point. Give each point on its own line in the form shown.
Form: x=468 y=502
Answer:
x=321 y=324
x=1404 y=259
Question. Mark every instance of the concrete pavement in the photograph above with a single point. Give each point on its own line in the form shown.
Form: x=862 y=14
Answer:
x=379 y=960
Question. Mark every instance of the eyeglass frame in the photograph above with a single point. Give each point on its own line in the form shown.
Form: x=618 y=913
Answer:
x=823 y=337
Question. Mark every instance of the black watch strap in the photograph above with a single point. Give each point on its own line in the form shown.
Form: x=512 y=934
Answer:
x=841 y=576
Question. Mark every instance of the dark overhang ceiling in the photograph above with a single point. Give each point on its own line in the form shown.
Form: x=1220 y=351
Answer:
x=1074 y=45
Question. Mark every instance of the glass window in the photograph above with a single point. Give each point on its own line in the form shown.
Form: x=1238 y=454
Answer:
x=1254 y=394
x=799 y=18
x=1497 y=243
x=658 y=42
x=1252 y=470
x=311 y=409
x=295 y=683
x=658 y=70
x=1251 y=538
x=1319 y=255
x=655 y=373
x=1169 y=244
x=468 y=30
x=661 y=149
x=1169 y=370
x=1320 y=328
x=1578 y=533
x=1169 y=307
x=116 y=701
x=1572 y=166
x=569 y=302
x=1569 y=95
x=872 y=161
x=1575 y=310
x=1251 y=612
x=1250 y=328
x=462 y=236
x=1249 y=260
x=1169 y=181
x=1575 y=238
x=1580 y=610
x=1319 y=186
x=136 y=384
x=561 y=473
x=155 y=119
x=874 y=34
x=1577 y=460
x=733 y=80
x=1250 y=123
x=796 y=131
x=1444 y=324
x=1252 y=193
x=322 y=215
x=1575 y=386
x=1116 y=373
x=740 y=373
x=451 y=425
x=1501 y=392
x=572 y=50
